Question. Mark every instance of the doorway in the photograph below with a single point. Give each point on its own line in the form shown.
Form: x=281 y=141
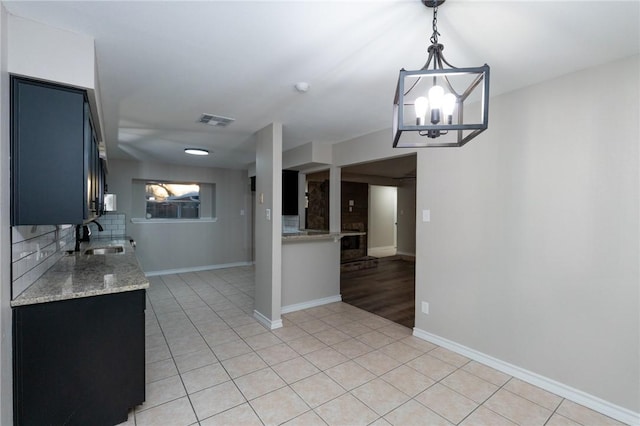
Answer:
x=382 y=279
x=383 y=221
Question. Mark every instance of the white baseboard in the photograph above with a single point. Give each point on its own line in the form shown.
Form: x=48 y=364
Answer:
x=614 y=411
x=406 y=256
x=271 y=325
x=196 y=269
x=382 y=248
x=311 y=304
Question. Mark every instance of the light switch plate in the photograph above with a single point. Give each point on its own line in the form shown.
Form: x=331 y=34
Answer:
x=426 y=215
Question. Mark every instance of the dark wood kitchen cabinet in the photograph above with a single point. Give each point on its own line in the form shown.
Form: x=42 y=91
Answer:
x=79 y=361
x=55 y=160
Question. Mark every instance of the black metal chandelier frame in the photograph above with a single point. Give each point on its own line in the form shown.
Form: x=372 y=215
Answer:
x=440 y=130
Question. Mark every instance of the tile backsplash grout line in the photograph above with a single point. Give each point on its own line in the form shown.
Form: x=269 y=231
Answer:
x=35 y=249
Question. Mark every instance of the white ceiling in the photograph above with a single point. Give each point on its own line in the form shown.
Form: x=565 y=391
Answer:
x=163 y=63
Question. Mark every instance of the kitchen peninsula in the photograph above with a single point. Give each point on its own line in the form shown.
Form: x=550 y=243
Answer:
x=311 y=268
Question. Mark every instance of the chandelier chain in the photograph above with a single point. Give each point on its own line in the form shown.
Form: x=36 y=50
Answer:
x=434 y=24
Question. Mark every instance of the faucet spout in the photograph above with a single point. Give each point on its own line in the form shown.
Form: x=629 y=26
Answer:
x=100 y=228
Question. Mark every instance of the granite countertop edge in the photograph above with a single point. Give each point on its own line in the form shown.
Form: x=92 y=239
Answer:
x=311 y=235
x=77 y=275
x=75 y=295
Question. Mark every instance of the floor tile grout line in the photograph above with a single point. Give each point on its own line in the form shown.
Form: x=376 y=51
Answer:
x=173 y=357
x=401 y=364
x=319 y=315
x=422 y=405
x=223 y=366
x=373 y=349
x=247 y=400
x=212 y=351
x=376 y=376
x=483 y=402
x=320 y=371
x=556 y=411
x=502 y=387
x=169 y=401
x=199 y=273
x=195 y=413
x=534 y=402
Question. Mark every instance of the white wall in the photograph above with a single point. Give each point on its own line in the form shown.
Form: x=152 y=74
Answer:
x=406 y=238
x=62 y=56
x=310 y=272
x=366 y=148
x=531 y=255
x=165 y=247
x=383 y=201
x=6 y=371
x=268 y=225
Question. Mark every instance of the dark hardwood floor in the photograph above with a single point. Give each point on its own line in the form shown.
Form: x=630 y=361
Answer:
x=388 y=290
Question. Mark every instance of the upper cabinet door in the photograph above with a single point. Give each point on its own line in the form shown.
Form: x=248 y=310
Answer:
x=50 y=154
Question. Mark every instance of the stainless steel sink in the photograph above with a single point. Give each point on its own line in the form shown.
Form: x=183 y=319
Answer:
x=105 y=250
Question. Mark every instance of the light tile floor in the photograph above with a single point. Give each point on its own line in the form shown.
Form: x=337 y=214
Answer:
x=210 y=363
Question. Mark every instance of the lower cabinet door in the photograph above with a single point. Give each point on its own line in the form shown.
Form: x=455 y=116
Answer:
x=79 y=361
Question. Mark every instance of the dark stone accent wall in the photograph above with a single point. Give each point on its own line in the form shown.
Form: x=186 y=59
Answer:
x=318 y=205
x=355 y=217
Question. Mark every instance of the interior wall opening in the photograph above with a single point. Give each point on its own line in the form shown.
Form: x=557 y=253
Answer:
x=377 y=268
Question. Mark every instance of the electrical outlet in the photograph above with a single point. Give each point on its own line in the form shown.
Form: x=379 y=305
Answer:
x=425 y=308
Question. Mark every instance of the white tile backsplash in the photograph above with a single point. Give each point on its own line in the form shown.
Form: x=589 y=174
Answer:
x=112 y=223
x=34 y=249
x=290 y=224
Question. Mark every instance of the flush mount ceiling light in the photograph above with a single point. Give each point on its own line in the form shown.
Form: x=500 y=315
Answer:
x=196 y=151
x=429 y=106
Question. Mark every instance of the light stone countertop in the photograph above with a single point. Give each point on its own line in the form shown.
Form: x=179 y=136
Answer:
x=314 y=235
x=79 y=275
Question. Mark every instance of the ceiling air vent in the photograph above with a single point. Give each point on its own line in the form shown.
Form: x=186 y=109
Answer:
x=215 y=120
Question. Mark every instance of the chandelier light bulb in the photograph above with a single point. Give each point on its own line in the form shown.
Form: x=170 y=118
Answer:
x=436 y=93
x=421 y=105
x=448 y=105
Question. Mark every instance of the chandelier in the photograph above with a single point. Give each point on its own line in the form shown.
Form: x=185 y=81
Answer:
x=440 y=106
